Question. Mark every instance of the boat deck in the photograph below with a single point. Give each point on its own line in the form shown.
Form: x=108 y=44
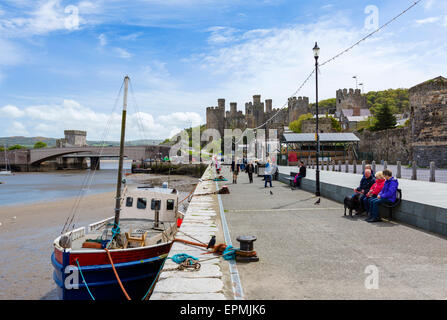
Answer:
x=134 y=227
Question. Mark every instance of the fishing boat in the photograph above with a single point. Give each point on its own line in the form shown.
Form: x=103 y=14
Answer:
x=118 y=257
x=6 y=171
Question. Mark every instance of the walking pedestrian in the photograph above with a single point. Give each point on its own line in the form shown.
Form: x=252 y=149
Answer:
x=268 y=174
x=250 y=169
x=235 y=172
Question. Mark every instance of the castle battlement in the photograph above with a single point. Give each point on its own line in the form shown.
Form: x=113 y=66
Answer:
x=343 y=93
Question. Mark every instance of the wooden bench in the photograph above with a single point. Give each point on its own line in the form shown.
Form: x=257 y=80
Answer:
x=390 y=206
x=291 y=178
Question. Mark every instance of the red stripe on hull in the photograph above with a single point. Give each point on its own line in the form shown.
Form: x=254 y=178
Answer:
x=58 y=256
x=88 y=259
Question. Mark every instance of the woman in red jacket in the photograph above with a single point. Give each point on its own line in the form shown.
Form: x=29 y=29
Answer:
x=374 y=191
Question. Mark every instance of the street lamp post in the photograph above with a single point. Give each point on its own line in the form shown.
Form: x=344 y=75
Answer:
x=316 y=50
x=356 y=82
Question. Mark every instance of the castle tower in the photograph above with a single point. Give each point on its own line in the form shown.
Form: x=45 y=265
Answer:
x=268 y=106
x=297 y=107
x=428 y=103
x=215 y=117
x=350 y=100
x=258 y=110
x=233 y=108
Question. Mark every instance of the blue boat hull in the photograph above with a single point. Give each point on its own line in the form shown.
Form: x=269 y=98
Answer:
x=136 y=277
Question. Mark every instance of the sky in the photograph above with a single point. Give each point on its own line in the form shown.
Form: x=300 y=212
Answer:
x=62 y=62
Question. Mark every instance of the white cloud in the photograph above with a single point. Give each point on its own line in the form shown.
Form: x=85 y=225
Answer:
x=276 y=61
x=122 y=53
x=17 y=129
x=11 y=112
x=428 y=20
x=221 y=35
x=44 y=17
x=102 y=39
x=54 y=119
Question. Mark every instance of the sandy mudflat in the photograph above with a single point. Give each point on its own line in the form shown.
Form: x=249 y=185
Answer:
x=27 y=233
x=26 y=237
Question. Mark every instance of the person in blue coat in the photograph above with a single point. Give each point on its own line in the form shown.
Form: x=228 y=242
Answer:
x=387 y=195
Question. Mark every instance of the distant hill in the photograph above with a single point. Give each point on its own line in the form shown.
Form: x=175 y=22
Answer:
x=51 y=142
x=26 y=141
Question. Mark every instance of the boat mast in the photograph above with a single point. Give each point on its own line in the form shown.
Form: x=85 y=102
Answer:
x=120 y=164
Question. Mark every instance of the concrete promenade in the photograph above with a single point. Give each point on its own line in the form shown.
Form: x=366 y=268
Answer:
x=202 y=220
x=311 y=251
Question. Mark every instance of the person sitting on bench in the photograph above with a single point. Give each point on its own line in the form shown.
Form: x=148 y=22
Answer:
x=387 y=195
x=361 y=191
x=300 y=175
x=373 y=192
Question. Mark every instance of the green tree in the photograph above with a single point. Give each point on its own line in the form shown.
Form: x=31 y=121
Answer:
x=335 y=123
x=383 y=118
x=16 y=147
x=295 y=126
x=40 y=144
x=396 y=99
x=325 y=105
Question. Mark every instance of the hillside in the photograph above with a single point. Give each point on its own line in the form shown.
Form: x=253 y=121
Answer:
x=51 y=142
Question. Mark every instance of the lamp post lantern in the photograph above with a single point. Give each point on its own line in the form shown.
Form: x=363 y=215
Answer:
x=316 y=50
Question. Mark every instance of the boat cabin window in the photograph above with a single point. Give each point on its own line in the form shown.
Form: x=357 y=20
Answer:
x=129 y=202
x=141 y=203
x=155 y=204
x=170 y=204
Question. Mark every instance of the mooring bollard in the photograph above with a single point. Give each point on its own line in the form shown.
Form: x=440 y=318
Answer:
x=327 y=165
x=385 y=165
x=347 y=166
x=432 y=171
x=414 y=174
x=399 y=170
x=354 y=166
x=339 y=165
x=333 y=165
x=373 y=166
x=363 y=165
x=246 y=249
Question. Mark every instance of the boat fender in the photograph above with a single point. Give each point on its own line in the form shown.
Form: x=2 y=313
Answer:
x=65 y=242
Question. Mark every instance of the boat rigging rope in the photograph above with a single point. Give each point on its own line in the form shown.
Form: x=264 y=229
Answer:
x=83 y=279
x=189 y=194
x=88 y=178
x=116 y=274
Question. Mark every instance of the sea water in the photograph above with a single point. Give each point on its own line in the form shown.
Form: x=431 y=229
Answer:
x=30 y=187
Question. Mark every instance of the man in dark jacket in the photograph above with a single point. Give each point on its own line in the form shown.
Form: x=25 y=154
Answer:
x=301 y=174
x=387 y=195
x=360 y=192
x=250 y=169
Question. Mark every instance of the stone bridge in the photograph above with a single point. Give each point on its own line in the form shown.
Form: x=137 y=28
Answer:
x=34 y=157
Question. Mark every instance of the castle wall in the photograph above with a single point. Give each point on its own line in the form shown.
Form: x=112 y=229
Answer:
x=391 y=145
x=324 y=125
x=256 y=114
x=428 y=102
